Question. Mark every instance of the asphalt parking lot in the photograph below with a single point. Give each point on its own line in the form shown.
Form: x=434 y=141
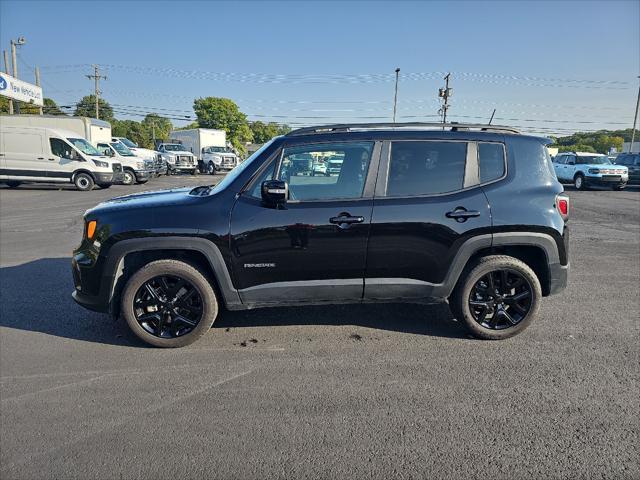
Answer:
x=394 y=391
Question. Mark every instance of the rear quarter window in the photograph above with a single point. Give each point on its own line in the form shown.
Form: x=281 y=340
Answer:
x=492 y=160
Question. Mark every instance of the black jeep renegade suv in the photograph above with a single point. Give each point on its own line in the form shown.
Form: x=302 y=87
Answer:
x=469 y=214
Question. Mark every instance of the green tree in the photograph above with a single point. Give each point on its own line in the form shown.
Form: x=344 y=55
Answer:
x=49 y=108
x=159 y=126
x=263 y=132
x=86 y=107
x=224 y=114
x=134 y=131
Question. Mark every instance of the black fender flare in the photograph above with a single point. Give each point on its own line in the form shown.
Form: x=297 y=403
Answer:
x=114 y=263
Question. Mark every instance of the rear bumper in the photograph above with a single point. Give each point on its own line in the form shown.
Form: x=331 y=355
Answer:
x=558 y=278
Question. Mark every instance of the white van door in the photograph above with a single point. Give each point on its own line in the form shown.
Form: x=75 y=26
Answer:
x=63 y=159
x=24 y=154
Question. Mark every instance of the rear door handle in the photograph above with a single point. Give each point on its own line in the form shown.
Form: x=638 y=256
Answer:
x=460 y=214
x=344 y=220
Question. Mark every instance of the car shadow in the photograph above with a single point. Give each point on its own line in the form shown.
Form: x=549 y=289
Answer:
x=36 y=296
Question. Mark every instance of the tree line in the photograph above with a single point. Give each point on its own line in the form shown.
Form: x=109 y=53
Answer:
x=595 y=142
x=211 y=112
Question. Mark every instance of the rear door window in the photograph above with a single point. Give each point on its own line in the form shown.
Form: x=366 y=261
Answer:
x=426 y=168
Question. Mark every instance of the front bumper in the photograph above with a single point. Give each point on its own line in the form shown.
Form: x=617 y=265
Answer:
x=87 y=277
x=108 y=178
x=606 y=180
x=143 y=175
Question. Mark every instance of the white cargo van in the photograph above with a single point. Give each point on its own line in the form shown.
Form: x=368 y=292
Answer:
x=37 y=154
x=93 y=130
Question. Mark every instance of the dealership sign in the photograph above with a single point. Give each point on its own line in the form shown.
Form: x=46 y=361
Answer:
x=19 y=90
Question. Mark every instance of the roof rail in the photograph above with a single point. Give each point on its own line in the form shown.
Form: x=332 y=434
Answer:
x=350 y=127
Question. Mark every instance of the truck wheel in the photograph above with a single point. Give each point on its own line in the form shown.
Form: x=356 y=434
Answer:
x=497 y=297
x=13 y=184
x=211 y=168
x=104 y=186
x=129 y=177
x=579 y=182
x=83 y=182
x=168 y=303
x=194 y=171
x=141 y=182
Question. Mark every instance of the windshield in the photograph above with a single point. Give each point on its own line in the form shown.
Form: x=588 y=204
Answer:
x=216 y=150
x=233 y=174
x=122 y=150
x=173 y=147
x=593 y=160
x=128 y=142
x=85 y=147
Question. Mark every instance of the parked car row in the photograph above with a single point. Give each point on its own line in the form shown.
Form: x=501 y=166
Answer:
x=585 y=169
x=82 y=151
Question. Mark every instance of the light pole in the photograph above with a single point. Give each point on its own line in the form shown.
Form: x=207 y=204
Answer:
x=16 y=43
x=635 y=119
x=395 y=97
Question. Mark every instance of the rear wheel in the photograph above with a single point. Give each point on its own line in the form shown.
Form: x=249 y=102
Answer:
x=168 y=303
x=579 y=182
x=497 y=298
x=83 y=182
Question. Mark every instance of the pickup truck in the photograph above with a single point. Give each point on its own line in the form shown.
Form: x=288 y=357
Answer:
x=177 y=158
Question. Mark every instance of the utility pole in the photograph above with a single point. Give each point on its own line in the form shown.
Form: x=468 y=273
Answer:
x=16 y=43
x=38 y=84
x=395 y=97
x=445 y=93
x=6 y=70
x=635 y=119
x=97 y=77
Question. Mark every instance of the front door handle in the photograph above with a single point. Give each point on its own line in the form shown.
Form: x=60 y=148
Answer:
x=344 y=220
x=460 y=214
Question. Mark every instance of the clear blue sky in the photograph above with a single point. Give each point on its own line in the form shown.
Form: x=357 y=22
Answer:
x=556 y=63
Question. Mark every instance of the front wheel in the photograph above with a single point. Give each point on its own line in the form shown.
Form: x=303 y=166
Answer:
x=168 y=303
x=129 y=177
x=83 y=182
x=579 y=182
x=497 y=298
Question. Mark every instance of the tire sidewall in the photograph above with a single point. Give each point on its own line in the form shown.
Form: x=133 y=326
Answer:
x=178 y=269
x=129 y=177
x=489 y=264
x=83 y=182
x=578 y=182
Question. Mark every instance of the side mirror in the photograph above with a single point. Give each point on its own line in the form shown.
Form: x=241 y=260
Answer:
x=106 y=152
x=275 y=192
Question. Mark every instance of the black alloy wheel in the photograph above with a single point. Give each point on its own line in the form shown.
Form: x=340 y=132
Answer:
x=500 y=299
x=168 y=306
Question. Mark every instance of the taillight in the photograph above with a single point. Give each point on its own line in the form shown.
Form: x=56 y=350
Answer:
x=562 y=204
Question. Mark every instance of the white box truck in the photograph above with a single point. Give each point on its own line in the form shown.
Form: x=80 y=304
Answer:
x=95 y=131
x=209 y=146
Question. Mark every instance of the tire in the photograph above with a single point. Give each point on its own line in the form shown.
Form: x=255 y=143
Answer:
x=194 y=171
x=461 y=298
x=619 y=187
x=579 y=183
x=180 y=270
x=142 y=182
x=129 y=177
x=104 y=186
x=83 y=182
x=13 y=184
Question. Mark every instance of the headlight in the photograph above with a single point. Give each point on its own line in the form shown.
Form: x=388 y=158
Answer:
x=139 y=165
x=171 y=159
x=101 y=164
x=594 y=170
